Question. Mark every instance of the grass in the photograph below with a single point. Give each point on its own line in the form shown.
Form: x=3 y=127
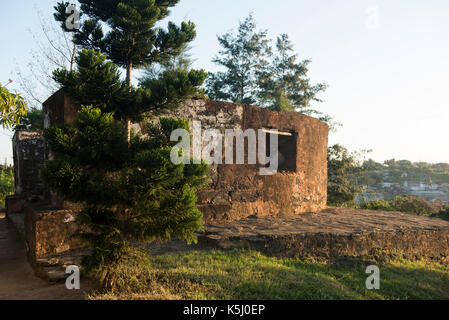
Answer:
x=247 y=275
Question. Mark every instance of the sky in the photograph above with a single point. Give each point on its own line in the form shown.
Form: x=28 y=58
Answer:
x=386 y=62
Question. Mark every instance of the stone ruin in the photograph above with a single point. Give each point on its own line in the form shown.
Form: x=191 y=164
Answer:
x=236 y=191
x=284 y=213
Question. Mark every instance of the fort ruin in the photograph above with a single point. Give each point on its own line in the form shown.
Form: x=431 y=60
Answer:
x=284 y=213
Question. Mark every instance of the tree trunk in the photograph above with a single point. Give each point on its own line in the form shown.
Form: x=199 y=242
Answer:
x=129 y=69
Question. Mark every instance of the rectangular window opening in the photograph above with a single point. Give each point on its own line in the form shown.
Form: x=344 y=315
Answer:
x=286 y=149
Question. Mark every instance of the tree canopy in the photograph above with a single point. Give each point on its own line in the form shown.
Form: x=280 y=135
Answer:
x=255 y=72
x=243 y=56
x=12 y=108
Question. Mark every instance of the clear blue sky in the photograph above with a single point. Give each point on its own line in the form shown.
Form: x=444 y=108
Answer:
x=386 y=62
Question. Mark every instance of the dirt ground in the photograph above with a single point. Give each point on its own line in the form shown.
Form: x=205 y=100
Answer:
x=17 y=279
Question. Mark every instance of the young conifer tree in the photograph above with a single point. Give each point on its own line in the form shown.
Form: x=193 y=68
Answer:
x=130 y=189
x=133 y=40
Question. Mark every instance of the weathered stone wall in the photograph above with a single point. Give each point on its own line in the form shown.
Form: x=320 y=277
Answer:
x=58 y=109
x=29 y=157
x=28 y=153
x=336 y=232
x=49 y=231
x=239 y=191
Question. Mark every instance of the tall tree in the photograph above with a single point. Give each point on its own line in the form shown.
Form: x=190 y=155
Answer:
x=344 y=170
x=128 y=184
x=256 y=73
x=284 y=82
x=243 y=56
x=180 y=61
x=133 y=40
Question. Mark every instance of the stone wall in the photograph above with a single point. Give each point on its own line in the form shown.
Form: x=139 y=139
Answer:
x=29 y=157
x=58 y=109
x=29 y=154
x=336 y=232
x=239 y=191
x=49 y=231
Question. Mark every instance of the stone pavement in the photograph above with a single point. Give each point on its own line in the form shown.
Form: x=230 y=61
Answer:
x=17 y=279
x=336 y=232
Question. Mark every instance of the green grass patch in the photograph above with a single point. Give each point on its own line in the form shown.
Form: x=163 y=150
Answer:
x=247 y=275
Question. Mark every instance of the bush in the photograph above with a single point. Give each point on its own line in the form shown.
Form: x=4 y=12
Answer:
x=409 y=204
x=344 y=168
x=377 y=205
x=6 y=183
x=130 y=192
x=442 y=214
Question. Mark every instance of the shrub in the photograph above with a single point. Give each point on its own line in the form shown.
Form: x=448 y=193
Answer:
x=409 y=204
x=380 y=205
x=442 y=214
x=6 y=183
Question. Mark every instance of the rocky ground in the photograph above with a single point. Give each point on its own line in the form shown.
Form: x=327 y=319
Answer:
x=336 y=232
x=332 y=233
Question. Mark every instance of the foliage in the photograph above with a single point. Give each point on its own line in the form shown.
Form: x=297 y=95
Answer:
x=442 y=214
x=96 y=82
x=12 y=108
x=400 y=171
x=132 y=40
x=243 y=56
x=256 y=73
x=284 y=82
x=250 y=275
x=6 y=182
x=33 y=121
x=344 y=170
x=408 y=204
x=130 y=188
x=181 y=61
x=131 y=192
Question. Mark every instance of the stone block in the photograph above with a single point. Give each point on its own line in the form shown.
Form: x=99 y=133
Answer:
x=14 y=204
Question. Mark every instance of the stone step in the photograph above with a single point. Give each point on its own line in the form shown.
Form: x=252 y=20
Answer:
x=52 y=268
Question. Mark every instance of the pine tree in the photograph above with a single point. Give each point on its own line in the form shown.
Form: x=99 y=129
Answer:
x=130 y=189
x=243 y=56
x=133 y=40
x=256 y=73
x=284 y=83
x=181 y=61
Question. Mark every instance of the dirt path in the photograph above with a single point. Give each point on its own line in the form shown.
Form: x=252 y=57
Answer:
x=17 y=279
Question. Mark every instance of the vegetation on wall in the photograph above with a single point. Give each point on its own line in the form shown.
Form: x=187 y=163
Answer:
x=33 y=121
